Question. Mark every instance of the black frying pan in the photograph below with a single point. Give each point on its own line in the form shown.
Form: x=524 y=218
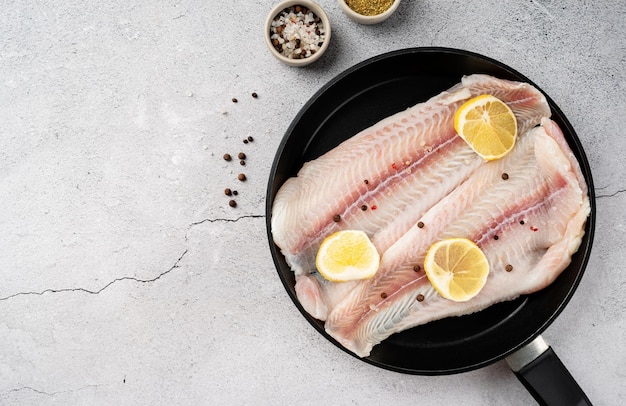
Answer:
x=360 y=97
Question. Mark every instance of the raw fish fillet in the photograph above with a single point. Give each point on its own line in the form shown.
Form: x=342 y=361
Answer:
x=528 y=225
x=383 y=179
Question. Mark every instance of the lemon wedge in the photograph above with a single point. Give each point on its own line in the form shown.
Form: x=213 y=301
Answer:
x=457 y=268
x=488 y=125
x=347 y=255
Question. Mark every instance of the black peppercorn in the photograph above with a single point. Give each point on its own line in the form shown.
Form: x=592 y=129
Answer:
x=232 y=203
x=241 y=177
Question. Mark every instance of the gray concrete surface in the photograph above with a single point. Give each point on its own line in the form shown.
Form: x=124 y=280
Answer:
x=125 y=278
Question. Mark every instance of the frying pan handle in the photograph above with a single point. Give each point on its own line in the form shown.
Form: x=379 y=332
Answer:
x=543 y=374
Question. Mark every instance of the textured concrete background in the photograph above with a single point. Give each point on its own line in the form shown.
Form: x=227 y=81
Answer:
x=125 y=278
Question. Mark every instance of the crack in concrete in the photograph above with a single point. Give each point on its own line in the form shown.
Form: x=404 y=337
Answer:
x=132 y=278
x=31 y=389
x=618 y=192
x=95 y=292
x=227 y=220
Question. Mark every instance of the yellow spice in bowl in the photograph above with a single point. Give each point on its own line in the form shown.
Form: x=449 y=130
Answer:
x=369 y=7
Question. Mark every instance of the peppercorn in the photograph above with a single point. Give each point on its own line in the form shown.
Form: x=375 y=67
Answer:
x=245 y=141
x=508 y=268
x=505 y=176
x=420 y=225
x=366 y=181
x=241 y=177
x=227 y=157
x=363 y=207
x=242 y=162
x=228 y=192
x=417 y=268
x=232 y=203
x=521 y=222
x=336 y=218
x=420 y=298
x=241 y=155
x=254 y=94
x=383 y=295
x=235 y=193
x=495 y=237
x=250 y=138
x=235 y=100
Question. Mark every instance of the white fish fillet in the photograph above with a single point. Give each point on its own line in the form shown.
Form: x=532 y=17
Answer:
x=396 y=170
x=530 y=224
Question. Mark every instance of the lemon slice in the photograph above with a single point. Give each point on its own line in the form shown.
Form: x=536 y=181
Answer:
x=488 y=125
x=347 y=255
x=457 y=268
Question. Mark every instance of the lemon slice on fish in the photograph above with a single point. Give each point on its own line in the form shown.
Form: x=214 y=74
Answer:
x=488 y=125
x=457 y=268
x=347 y=255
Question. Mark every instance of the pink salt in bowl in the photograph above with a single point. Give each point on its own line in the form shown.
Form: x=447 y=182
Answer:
x=297 y=32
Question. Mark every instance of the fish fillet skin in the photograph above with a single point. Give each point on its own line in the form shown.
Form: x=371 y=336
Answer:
x=395 y=170
x=531 y=224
